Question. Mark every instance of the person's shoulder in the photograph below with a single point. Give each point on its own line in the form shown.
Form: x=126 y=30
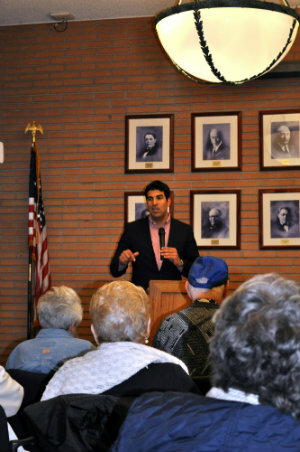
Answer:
x=180 y=224
x=276 y=151
x=81 y=343
x=24 y=345
x=141 y=222
x=169 y=318
x=18 y=356
x=84 y=341
x=80 y=360
x=274 y=223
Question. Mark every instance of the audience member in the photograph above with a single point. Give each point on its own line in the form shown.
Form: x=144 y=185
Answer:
x=11 y=397
x=254 y=404
x=59 y=312
x=122 y=364
x=186 y=334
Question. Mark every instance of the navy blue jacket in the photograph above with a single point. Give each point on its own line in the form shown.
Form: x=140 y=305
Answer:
x=178 y=422
x=136 y=237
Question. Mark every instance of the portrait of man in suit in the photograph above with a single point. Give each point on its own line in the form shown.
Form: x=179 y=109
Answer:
x=215 y=220
x=215 y=146
x=285 y=140
x=149 y=148
x=285 y=219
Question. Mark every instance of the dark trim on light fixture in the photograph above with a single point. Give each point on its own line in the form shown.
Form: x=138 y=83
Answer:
x=257 y=4
x=208 y=55
x=205 y=49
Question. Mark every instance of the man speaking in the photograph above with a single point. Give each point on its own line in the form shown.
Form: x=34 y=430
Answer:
x=158 y=246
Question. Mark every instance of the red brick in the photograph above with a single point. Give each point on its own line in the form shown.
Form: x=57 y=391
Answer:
x=80 y=86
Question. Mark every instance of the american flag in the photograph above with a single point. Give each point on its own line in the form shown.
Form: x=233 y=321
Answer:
x=37 y=232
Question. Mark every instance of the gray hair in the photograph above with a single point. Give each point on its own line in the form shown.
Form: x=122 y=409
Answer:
x=120 y=311
x=256 y=345
x=216 y=293
x=59 y=308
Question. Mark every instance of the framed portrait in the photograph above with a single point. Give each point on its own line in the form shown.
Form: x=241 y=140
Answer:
x=215 y=218
x=216 y=141
x=279 y=218
x=279 y=139
x=135 y=206
x=149 y=142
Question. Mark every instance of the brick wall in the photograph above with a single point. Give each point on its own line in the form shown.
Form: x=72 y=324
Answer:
x=79 y=85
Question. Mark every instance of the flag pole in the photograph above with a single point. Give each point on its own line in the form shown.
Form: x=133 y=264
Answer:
x=33 y=129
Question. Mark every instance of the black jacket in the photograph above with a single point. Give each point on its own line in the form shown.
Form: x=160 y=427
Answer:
x=136 y=237
x=77 y=422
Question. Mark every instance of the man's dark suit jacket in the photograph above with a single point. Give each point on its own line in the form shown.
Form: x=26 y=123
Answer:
x=278 y=153
x=223 y=153
x=136 y=237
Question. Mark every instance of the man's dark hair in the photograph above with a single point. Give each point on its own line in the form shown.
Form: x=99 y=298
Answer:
x=284 y=208
x=150 y=133
x=157 y=185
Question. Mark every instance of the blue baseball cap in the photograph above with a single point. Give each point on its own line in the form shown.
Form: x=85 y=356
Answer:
x=208 y=272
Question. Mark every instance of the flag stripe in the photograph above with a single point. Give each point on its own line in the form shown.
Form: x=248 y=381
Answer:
x=37 y=231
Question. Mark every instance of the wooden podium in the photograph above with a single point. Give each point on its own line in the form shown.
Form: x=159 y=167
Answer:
x=166 y=297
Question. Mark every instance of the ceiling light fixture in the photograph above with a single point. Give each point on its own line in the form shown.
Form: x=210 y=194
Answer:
x=227 y=41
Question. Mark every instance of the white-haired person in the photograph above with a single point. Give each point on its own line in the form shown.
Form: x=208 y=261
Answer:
x=254 y=404
x=122 y=364
x=59 y=313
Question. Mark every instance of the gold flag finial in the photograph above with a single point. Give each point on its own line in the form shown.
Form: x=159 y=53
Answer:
x=34 y=128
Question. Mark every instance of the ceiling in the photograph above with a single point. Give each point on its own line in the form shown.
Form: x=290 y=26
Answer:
x=18 y=12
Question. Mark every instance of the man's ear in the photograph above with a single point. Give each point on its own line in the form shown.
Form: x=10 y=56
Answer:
x=94 y=334
x=226 y=288
x=72 y=328
x=187 y=288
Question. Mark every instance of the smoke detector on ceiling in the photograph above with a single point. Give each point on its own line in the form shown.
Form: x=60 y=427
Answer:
x=62 y=16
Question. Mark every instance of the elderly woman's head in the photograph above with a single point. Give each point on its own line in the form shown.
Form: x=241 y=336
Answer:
x=256 y=345
x=60 y=307
x=120 y=311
